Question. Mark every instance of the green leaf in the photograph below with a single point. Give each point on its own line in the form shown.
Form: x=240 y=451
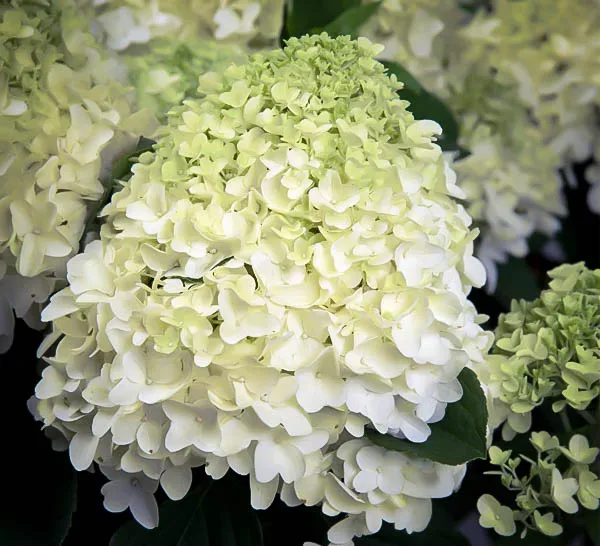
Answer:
x=214 y=514
x=425 y=105
x=305 y=15
x=516 y=280
x=351 y=20
x=458 y=438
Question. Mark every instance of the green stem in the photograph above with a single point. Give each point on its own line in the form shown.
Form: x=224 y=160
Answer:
x=588 y=417
x=564 y=418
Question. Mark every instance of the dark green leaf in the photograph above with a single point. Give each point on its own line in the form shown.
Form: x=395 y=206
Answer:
x=516 y=280
x=458 y=438
x=305 y=15
x=351 y=20
x=425 y=105
x=215 y=514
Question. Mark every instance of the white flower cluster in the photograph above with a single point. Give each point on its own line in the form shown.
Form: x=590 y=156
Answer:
x=64 y=116
x=253 y=24
x=287 y=267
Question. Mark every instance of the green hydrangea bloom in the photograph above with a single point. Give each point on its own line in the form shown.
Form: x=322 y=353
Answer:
x=64 y=115
x=547 y=350
x=167 y=70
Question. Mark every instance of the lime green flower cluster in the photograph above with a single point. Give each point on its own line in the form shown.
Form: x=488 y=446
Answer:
x=251 y=24
x=288 y=266
x=167 y=71
x=544 y=492
x=547 y=349
x=64 y=116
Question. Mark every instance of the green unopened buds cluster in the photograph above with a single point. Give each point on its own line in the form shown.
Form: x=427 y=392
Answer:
x=547 y=350
x=545 y=492
x=286 y=268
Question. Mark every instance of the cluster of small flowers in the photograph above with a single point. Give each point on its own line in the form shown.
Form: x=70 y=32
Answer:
x=510 y=176
x=64 y=116
x=544 y=488
x=287 y=267
x=253 y=24
x=547 y=349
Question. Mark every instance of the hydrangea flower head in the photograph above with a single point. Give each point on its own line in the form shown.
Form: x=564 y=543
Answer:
x=64 y=115
x=547 y=349
x=287 y=267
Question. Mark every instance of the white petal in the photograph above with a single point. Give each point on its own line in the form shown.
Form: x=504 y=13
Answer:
x=176 y=481
x=117 y=495
x=149 y=437
x=51 y=384
x=365 y=481
x=144 y=508
x=264 y=461
x=82 y=450
x=262 y=494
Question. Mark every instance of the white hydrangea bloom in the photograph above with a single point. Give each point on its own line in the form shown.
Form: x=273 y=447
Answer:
x=64 y=116
x=287 y=267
